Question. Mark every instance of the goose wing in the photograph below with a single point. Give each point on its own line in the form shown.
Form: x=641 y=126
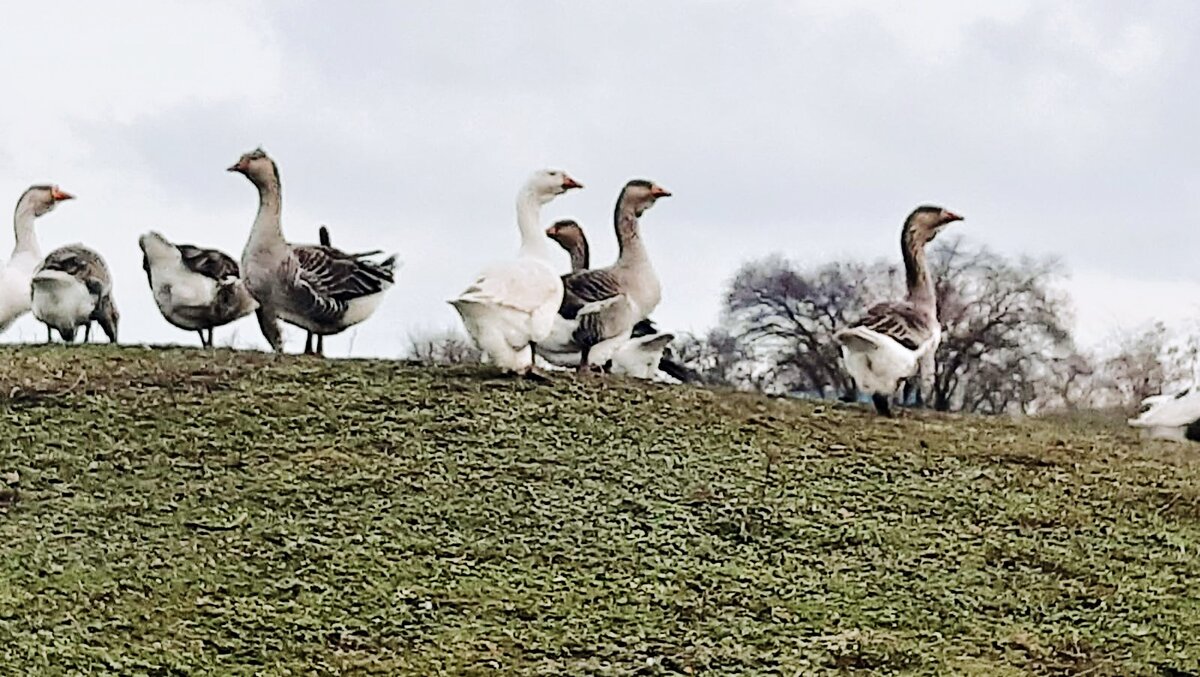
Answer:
x=902 y=322
x=586 y=287
x=81 y=263
x=326 y=280
x=208 y=262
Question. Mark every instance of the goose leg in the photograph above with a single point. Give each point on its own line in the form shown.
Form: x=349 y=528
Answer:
x=269 y=324
x=49 y=335
x=87 y=332
x=308 y=343
x=203 y=343
x=883 y=404
x=210 y=338
x=321 y=345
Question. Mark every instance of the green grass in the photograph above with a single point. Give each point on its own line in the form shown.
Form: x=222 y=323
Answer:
x=185 y=512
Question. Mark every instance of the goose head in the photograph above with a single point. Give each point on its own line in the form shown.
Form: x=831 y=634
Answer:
x=640 y=195
x=567 y=233
x=42 y=199
x=257 y=166
x=155 y=246
x=926 y=221
x=547 y=184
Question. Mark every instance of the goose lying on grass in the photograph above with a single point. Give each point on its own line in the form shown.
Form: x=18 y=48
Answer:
x=1171 y=417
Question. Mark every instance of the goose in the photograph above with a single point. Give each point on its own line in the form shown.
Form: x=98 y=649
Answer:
x=641 y=356
x=894 y=338
x=511 y=306
x=320 y=289
x=1171 y=417
x=72 y=288
x=601 y=306
x=195 y=288
x=17 y=273
x=323 y=237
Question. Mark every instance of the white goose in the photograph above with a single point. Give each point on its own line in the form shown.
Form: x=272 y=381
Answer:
x=888 y=344
x=601 y=306
x=195 y=288
x=642 y=355
x=1171 y=417
x=72 y=288
x=320 y=289
x=17 y=273
x=512 y=305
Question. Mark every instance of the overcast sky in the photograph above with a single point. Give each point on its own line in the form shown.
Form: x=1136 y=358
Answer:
x=807 y=128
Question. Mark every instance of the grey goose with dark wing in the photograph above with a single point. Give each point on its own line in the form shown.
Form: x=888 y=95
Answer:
x=897 y=340
x=318 y=288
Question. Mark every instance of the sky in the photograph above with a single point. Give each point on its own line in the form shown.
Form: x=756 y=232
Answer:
x=808 y=128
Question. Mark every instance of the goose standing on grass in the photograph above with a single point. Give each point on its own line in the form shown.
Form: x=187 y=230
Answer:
x=511 y=306
x=320 y=289
x=888 y=344
x=601 y=306
x=72 y=288
x=195 y=288
x=17 y=273
x=1171 y=417
x=642 y=355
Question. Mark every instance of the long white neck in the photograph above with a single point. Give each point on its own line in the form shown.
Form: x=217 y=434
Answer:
x=529 y=221
x=23 y=230
x=267 y=231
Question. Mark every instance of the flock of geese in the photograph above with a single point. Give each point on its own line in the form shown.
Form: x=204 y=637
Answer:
x=594 y=320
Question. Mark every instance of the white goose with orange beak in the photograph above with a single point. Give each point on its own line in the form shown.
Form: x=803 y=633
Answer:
x=511 y=306
x=16 y=274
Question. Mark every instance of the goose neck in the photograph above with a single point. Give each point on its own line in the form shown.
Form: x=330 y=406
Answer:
x=23 y=229
x=629 y=238
x=581 y=257
x=916 y=271
x=268 y=229
x=529 y=214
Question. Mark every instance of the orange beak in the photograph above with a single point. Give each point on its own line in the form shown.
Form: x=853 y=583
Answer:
x=658 y=191
x=60 y=194
x=239 y=166
x=569 y=183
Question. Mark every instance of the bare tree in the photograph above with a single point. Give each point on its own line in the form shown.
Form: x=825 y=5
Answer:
x=1004 y=321
x=785 y=317
x=1139 y=363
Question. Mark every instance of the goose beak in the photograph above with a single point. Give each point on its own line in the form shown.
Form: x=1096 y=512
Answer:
x=658 y=191
x=569 y=183
x=950 y=217
x=60 y=195
x=239 y=166
x=552 y=231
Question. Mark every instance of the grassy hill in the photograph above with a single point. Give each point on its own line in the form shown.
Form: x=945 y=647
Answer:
x=183 y=512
